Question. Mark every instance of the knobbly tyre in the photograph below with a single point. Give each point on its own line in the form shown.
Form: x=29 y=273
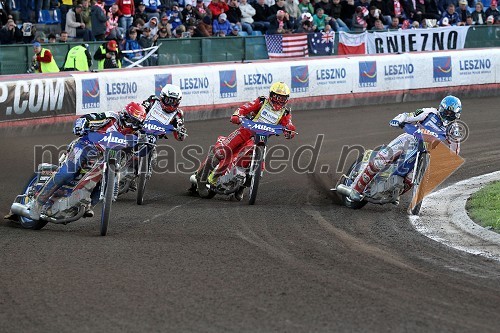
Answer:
x=71 y=200
x=246 y=166
x=388 y=185
x=138 y=168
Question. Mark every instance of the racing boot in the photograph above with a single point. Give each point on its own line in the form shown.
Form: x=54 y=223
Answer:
x=88 y=212
x=133 y=185
x=238 y=195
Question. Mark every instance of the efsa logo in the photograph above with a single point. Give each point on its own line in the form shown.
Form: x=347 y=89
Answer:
x=442 y=69
x=228 y=84
x=300 y=78
x=161 y=80
x=367 y=73
x=90 y=94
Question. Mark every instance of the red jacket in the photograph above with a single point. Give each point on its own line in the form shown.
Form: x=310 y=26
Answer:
x=252 y=108
x=217 y=8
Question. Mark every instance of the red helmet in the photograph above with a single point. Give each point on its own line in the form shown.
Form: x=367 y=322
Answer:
x=133 y=115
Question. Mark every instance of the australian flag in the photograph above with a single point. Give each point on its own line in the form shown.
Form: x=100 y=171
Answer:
x=321 y=43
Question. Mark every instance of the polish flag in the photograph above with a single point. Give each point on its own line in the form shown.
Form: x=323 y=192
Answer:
x=352 y=43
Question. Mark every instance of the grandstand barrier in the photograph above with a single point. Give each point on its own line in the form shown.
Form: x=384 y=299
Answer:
x=15 y=59
x=214 y=90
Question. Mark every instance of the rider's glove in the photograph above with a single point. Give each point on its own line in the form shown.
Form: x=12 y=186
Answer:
x=81 y=126
x=181 y=133
x=394 y=123
x=236 y=119
x=289 y=131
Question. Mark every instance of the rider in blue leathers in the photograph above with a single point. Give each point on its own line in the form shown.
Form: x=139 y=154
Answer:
x=82 y=152
x=440 y=119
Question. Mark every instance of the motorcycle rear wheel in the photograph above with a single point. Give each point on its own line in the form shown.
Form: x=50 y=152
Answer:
x=422 y=167
x=345 y=181
x=28 y=223
x=108 y=200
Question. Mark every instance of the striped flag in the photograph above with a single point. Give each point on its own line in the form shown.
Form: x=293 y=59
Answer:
x=352 y=43
x=287 y=46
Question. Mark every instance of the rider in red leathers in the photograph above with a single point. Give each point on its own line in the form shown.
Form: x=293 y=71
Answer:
x=270 y=110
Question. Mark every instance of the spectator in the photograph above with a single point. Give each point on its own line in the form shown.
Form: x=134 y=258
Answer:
x=4 y=12
x=320 y=20
x=306 y=7
x=132 y=44
x=29 y=31
x=262 y=13
x=493 y=10
x=247 y=13
x=152 y=25
x=164 y=33
x=64 y=7
x=174 y=17
x=478 y=15
x=153 y=8
x=75 y=26
x=43 y=59
x=63 y=37
x=348 y=11
x=279 y=24
x=451 y=17
x=235 y=31
x=99 y=19
x=358 y=20
x=384 y=10
x=490 y=20
x=234 y=16
x=278 y=5
x=10 y=33
x=86 y=14
x=140 y=13
x=108 y=55
x=292 y=8
x=414 y=9
x=52 y=38
x=396 y=8
x=127 y=9
x=394 y=24
x=468 y=20
x=306 y=25
x=326 y=5
x=378 y=26
x=204 y=27
x=431 y=10
x=462 y=10
x=443 y=5
x=113 y=29
x=164 y=22
x=187 y=13
x=78 y=59
x=147 y=41
x=221 y=26
x=373 y=15
x=201 y=10
x=335 y=20
x=217 y=7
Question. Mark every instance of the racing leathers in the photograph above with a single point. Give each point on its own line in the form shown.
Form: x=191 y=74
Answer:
x=81 y=152
x=176 y=118
x=259 y=110
x=429 y=118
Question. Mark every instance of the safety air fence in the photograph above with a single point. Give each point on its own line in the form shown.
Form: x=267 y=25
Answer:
x=214 y=90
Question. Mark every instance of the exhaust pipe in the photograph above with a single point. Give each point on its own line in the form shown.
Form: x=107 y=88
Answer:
x=343 y=190
x=20 y=209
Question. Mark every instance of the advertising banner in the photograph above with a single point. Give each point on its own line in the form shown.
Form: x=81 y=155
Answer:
x=412 y=40
x=24 y=99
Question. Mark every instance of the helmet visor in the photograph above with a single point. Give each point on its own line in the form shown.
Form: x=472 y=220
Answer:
x=131 y=122
x=279 y=100
x=170 y=103
x=449 y=115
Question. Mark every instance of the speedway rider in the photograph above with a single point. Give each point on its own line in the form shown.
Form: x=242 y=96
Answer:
x=270 y=110
x=449 y=110
x=82 y=152
x=168 y=102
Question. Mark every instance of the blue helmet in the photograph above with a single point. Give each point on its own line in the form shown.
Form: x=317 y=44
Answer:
x=450 y=109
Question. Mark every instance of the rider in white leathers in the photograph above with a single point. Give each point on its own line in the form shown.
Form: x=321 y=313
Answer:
x=449 y=110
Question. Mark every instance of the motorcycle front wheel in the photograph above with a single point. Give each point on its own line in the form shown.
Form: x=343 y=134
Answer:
x=254 y=185
x=423 y=163
x=28 y=223
x=143 y=178
x=108 y=199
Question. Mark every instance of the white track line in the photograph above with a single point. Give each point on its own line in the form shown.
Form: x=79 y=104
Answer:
x=443 y=218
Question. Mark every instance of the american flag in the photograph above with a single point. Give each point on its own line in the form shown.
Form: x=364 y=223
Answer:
x=287 y=46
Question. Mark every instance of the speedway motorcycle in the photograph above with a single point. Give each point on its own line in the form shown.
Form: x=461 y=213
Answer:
x=388 y=185
x=246 y=166
x=138 y=166
x=71 y=200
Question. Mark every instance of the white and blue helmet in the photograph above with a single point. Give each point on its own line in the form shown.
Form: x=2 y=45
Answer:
x=450 y=109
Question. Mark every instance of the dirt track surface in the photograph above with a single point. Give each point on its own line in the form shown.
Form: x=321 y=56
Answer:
x=294 y=262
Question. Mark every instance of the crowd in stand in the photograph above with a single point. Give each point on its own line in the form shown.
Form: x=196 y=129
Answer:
x=139 y=24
